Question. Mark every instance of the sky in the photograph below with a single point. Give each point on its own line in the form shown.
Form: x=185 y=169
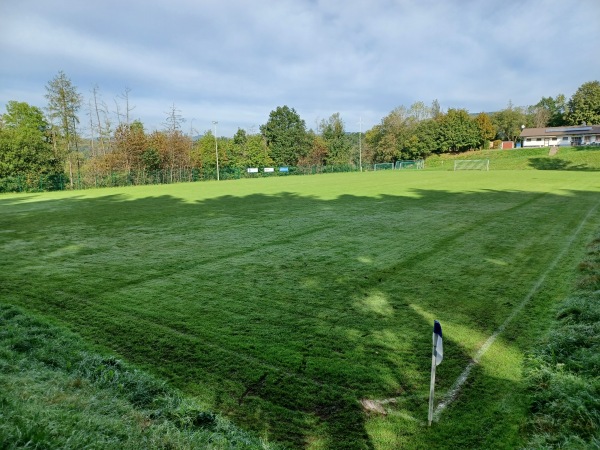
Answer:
x=235 y=61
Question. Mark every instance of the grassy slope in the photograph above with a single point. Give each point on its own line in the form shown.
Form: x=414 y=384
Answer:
x=563 y=372
x=567 y=158
x=285 y=301
x=57 y=392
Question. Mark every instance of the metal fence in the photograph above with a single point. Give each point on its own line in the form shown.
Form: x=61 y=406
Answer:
x=90 y=180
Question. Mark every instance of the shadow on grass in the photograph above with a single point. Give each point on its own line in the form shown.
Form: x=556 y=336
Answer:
x=559 y=164
x=284 y=311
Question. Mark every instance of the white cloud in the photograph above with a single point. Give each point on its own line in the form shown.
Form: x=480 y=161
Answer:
x=234 y=61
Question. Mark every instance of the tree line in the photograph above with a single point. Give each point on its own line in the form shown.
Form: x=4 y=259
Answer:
x=48 y=143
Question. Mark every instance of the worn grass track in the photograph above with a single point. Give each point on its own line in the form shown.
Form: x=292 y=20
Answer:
x=283 y=302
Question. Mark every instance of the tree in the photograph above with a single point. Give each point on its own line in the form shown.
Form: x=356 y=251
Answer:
x=130 y=144
x=338 y=145
x=435 y=110
x=392 y=137
x=549 y=112
x=538 y=116
x=457 y=131
x=487 y=130
x=584 y=105
x=403 y=134
x=204 y=155
x=249 y=150
x=25 y=147
x=427 y=137
x=255 y=152
x=317 y=154
x=286 y=136
x=508 y=122
x=419 y=111
x=63 y=104
x=240 y=137
x=103 y=125
x=177 y=151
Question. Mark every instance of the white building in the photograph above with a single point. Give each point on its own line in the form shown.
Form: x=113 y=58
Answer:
x=557 y=136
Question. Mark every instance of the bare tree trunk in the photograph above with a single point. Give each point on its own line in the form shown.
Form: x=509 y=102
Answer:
x=100 y=135
x=70 y=173
x=118 y=112
x=106 y=130
x=92 y=148
x=128 y=109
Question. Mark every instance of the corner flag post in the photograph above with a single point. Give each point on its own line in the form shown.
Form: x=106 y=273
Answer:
x=437 y=354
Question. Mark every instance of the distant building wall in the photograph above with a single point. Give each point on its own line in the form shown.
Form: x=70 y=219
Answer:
x=561 y=136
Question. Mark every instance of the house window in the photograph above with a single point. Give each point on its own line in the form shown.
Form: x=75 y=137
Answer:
x=553 y=139
x=528 y=139
x=587 y=138
x=538 y=139
x=598 y=138
x=565 y=138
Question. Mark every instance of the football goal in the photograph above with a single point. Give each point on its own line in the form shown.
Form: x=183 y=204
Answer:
x=383 y=166
x=410 y=164
x=472 y=164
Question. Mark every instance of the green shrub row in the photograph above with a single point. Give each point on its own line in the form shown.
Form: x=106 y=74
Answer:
x=56 y=393
x=563 y=374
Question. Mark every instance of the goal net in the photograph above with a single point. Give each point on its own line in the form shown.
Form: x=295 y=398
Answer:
x=472 y=164
x=410 y=164
x=383 y=166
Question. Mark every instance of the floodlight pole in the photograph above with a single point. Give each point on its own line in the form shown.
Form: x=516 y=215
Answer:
x=360 y=144
x=216 y=147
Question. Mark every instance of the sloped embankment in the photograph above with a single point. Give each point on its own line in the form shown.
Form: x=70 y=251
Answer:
x=563 y=374
x=57 y=393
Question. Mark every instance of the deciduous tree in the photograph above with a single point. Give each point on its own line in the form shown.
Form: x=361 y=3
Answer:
x=486 y=128
x=249 y=150
x=584 y=105
x=130 y=144
x=286 y=136
x=427 y=138
x=457 y=131
x=25 y=147
x=317 y=154
x=508 y=122
x=338 y=145
x=549 y=112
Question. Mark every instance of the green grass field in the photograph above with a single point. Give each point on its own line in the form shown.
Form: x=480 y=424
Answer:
x=282 y=303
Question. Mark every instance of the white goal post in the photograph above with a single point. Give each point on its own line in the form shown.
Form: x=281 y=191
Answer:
x=410 y=164
x=472 y=164
x=383 y=166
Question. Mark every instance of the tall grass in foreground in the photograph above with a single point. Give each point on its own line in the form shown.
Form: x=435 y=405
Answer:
x=56 y=393
x=563 y=374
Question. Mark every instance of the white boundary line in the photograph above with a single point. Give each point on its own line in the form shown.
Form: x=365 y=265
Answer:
x=455 y=389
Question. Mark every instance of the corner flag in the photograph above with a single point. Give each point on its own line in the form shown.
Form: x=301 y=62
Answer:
x=438 y=347
x=437 y=354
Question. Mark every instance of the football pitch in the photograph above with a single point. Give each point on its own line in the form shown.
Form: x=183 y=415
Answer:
x=285 y=303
